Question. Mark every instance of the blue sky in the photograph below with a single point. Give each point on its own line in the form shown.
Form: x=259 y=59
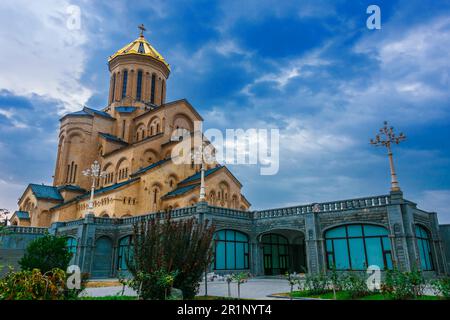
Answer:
x=310 y=68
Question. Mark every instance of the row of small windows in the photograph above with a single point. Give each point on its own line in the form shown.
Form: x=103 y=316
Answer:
x=139 y=86
x=129 y=200
x=123 y=173
x=153 y=130
x=71 y=174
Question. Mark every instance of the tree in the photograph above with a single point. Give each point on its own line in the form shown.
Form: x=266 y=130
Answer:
x=46 y=253
x=164 y=247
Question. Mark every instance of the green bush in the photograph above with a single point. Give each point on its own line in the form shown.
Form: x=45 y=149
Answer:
x=34 y=285
x=316 y=284
x=46 y=253
x=162 y=247
x=442 y=286
x=154 y=285
x=403 y=285
x=355 y=284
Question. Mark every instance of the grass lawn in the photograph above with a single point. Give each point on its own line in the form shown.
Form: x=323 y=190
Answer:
x=344 y=295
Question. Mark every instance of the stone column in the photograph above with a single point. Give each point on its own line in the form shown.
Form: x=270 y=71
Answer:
x=397 y=231
x=86 y=245
x=438 y=248
x=312 y=243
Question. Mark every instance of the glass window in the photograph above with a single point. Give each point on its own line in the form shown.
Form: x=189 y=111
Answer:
x=423 y=242
x=231 y=250
x=276 y=253
x=124 y=84
x=152 y=93
x=72 y=245
x=357 y=246
x=139 y=86
x=125 y=253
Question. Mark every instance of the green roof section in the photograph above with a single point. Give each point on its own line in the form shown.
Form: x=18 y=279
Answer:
x=196 y=176
x=153 y=165
x=110 y=137
x=22 y=215
x=42 y=191
x=181 y=190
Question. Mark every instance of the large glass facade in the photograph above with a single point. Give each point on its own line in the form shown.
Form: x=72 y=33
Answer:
x=231 y=250
x=358 y=246
x=423 y=242
x=72 y=246
x=125 y=252
x=276 y=254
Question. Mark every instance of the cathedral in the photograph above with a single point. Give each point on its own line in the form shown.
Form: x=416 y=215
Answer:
x=132 y=139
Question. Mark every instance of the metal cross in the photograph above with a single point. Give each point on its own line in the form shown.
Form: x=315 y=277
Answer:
x=95 y=173
x=386 y=137
x=142 y=28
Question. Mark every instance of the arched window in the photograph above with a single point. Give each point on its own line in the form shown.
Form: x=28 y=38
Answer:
x=358 y=246
x=124 y=84
x=152 y=92
x=113 y=88
x=423 y=242
x=230 y=250
x=71 y=245
x=139 y=86
x=125 y=252
x=276 y=254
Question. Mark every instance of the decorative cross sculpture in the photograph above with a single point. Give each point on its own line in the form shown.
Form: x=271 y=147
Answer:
x=95 y=173
x=386 y=137
x=142 y=28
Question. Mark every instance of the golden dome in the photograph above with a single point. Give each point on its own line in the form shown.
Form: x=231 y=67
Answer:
x=140 y=46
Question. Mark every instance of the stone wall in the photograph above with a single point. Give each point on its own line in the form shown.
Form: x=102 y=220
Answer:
x=304 y=227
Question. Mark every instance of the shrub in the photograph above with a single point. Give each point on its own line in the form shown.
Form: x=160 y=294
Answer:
x=240 y=278
x=316 y=284
x=46 y=253
x=34 y=285
x=355 y=284
x=403 y=285
x=166 y=247
x=442 y=286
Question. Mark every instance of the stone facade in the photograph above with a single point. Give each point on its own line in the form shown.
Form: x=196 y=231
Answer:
x=304 y=227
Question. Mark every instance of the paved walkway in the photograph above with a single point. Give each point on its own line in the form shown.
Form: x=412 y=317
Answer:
x=256 y=288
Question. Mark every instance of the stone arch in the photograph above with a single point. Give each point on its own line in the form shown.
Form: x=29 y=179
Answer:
x=223 y=194
x=109 y=177
x=140 y=132
x=154 y=126
x=122 y=169
x=182 y=121
x=155 y=195
x=149 y=156
x=172 y=180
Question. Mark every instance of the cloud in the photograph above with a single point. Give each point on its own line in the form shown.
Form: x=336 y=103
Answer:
x=436 y=201
x=42 y=56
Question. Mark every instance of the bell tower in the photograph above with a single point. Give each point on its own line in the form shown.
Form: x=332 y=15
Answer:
x=138 y=75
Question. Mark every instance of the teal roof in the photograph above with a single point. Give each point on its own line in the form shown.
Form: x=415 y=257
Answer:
x=22 y=215
x=125 y=109
x=196 y=176
x=180 y=190
x=88 y=112
x=71 y=188
x=153 y=165
x=97 y=192
x=41 y=191
x=112 y=138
